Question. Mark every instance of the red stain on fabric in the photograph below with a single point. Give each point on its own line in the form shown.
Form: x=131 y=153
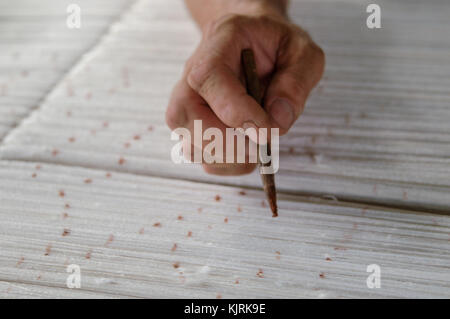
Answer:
x=239 y=209
x=88 y=254
x=217 y=198
x=33 y=175
x=127 y=145
x=65 y=215
x=278 y=255
x=121 y=161
x=157 y=224
x=110 y=240
x=189 y=234
x=48 y=249
x=141 y=231
x=260 y=273
x=71 y=139
x=174 y=247
x=108 y=175
x=322 y=275
x=88 y=181
x=180 y=217
x=136 y=137
x=150 y=128
x=225 y=220
x=66 y=232
x=328 y=259
x=55 y=152
x=61 y=193
x=243 y=193
x=176 y=265
x=218 y=296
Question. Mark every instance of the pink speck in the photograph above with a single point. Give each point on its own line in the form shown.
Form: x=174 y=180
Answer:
x=66 y=232
x=48 y=250
x=405 y=195
x=110 y=240
x=20 y=262
x=260 y=273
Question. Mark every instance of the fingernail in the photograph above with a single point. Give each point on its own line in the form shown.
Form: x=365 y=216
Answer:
x=282 y=112
x=252 y=132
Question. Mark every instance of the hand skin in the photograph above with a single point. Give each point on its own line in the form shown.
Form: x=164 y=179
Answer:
x=212 y=87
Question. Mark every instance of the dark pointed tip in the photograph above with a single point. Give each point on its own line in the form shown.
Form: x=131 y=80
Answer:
x=274 y=208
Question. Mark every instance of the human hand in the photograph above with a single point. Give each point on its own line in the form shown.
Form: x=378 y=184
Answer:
x=212 y=89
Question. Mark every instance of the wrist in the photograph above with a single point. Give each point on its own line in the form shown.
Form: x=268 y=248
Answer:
x=214 y=10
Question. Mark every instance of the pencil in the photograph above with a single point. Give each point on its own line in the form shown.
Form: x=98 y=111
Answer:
x=255 y=91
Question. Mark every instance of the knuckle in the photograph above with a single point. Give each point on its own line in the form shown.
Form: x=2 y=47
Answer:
x=200 y=74
x=297 y=85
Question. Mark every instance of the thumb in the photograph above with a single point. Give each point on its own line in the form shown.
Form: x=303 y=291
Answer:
x=289 y=88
